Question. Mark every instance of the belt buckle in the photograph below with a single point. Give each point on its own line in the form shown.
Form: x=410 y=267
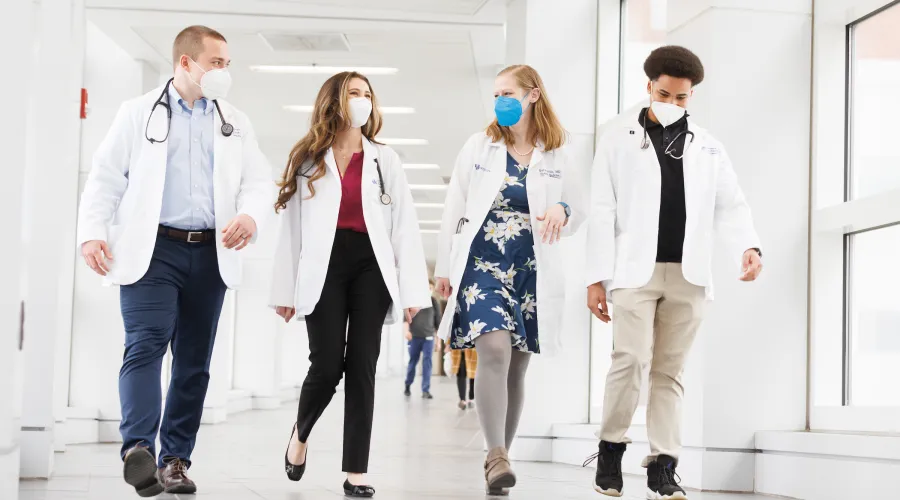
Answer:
x=191 y=234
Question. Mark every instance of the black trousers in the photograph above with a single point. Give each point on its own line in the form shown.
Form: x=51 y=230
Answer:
x=354 y=293
x=461 y=381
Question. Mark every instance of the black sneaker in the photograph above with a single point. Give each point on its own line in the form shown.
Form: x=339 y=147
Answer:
x=427 y=395
x=608 y=480
x=661 y=483
x=407 y=392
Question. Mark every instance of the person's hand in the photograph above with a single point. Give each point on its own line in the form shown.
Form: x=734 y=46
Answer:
x=446 y=347
x=238 y=232
x=752 y=265
x=597 y=302
x=411 y=313
x=285 y=312
x=442 y=286
x=96 y=255
x=408 y=335
x=554 y=220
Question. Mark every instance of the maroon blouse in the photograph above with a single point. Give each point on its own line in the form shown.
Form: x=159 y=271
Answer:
x=350 y=215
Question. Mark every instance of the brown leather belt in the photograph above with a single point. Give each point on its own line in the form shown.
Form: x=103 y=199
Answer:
x=187 y=236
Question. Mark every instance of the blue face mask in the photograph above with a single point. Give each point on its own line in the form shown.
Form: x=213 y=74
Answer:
x=509 y=110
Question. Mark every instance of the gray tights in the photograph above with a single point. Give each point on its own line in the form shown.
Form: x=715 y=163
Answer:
x=499 y=387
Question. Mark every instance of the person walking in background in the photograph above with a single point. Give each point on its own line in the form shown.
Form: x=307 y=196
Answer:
x=662 y=187
x=177 y=188
x=420 y=338
x=464 y=363
x=345 y=202
x=507 y=205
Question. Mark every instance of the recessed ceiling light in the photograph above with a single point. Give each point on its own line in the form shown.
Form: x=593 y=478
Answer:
x=421 y=166
x=429 y=205
x=323 y=70
x=387 y=110
x=402 y=142
x=428 y=187
x=429 y=222
x=429 y=231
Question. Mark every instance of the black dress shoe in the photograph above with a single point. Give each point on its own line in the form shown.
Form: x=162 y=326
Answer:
x=140 y=472
x=352 y=490
x=294 y=472
x=407 y=392
x=427 y=395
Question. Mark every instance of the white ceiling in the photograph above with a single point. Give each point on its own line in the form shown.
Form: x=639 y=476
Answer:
x=446 y=61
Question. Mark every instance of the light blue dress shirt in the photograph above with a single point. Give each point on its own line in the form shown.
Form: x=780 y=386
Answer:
x=188 y=193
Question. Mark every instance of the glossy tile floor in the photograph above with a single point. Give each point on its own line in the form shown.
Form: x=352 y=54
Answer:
x=420 y=450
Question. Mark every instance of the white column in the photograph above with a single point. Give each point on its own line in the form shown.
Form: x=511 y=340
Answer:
x=560 y=43
x=748 y=370
x=16 y=31
x=50 y=201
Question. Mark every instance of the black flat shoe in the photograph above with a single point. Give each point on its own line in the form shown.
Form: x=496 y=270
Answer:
x=351 y=490
x=294 y=472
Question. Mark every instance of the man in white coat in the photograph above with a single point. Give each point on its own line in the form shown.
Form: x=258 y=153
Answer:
x=177 y=187
x=661 y=186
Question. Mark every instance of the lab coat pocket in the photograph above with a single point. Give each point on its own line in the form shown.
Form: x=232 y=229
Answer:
x=387 y=216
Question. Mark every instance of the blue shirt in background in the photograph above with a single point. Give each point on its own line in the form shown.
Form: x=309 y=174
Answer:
x=188 y=193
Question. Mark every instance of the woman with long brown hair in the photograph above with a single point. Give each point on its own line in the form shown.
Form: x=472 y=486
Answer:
x=349 y=260
x=512 y=194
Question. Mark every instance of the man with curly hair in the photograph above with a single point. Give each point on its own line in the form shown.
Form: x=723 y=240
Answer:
x=661 y=187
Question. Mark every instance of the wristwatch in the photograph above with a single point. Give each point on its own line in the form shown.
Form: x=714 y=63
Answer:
x=567 y=208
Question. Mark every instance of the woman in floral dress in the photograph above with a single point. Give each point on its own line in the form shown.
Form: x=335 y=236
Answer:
x=506 y=205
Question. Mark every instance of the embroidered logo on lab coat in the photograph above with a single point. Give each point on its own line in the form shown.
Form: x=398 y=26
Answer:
x=553 y=174
x=479 y=167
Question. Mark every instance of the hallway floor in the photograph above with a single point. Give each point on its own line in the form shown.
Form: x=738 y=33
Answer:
x=420 y=450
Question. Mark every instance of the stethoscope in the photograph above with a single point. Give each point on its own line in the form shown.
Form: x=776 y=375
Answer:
x=163 y=100
x=670 y=149
x=385 y=198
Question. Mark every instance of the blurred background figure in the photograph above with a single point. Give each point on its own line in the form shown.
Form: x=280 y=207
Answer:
x=463 y=371
x=420 y=338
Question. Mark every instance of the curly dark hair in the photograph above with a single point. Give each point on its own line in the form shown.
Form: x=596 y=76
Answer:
x=674 y=61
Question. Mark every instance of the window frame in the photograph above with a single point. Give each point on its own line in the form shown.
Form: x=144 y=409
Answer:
x=836 y=217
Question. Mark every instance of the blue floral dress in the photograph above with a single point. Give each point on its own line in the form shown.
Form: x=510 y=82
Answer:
x=499 y=284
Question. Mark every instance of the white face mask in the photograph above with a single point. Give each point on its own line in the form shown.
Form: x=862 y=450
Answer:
x=666 y=113
x=360 y=109
x=214 y=83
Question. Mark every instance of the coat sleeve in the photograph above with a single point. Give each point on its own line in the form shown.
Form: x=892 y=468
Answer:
x=437 y=314
x=406 y=239
x=257 y=194
x=732 y=220
x=601 y=224
x=454 y=205
x=574 y=190
x=287 y=254
x=108 y=178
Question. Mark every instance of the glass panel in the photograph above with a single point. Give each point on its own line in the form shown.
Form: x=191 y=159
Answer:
x=875 y=104
x=645 y=29
x=874 y=318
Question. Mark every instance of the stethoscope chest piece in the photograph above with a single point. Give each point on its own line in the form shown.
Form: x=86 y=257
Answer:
x=385 y=199
x=227 y=129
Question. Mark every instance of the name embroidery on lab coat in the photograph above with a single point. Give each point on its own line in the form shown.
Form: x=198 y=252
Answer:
x=479 y=167
x=237 y=132
x=553 y=174
x=709 y=150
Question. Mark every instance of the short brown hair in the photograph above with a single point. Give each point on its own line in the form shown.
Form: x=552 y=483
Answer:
x=190 y=42
x=674 y=61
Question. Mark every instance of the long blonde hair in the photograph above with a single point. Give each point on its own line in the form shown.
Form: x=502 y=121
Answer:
x=331 y=115
x=545 y=126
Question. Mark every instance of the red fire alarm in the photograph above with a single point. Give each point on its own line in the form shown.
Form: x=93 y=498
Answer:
x=84 y=103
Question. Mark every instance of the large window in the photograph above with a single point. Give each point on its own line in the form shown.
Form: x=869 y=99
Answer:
x=854 y=303
x=643 y=29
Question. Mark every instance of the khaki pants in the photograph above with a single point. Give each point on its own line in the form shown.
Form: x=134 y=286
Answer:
x=654 y=324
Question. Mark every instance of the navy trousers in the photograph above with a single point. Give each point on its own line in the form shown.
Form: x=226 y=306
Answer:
x=176 y=303
x=420 y=347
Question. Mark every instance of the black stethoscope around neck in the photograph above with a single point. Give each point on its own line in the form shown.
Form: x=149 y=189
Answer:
x=163 y=100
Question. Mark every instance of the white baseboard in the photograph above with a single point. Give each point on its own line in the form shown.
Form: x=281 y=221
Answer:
x=266 y=402
x=290 y=394
x=794 y=464
x=214 y=415
x=239 y=401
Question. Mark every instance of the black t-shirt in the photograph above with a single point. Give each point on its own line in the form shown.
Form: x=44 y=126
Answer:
x=672 y=212
x=426 y=323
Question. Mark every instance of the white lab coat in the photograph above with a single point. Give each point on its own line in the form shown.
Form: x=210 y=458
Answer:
x=123 y=194
x=625 y=199
x=308 y=226
x=477 y=179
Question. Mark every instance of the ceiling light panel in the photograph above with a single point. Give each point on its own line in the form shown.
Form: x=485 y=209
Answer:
x=323 y=70
x=387 y=110
x=304 y=42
